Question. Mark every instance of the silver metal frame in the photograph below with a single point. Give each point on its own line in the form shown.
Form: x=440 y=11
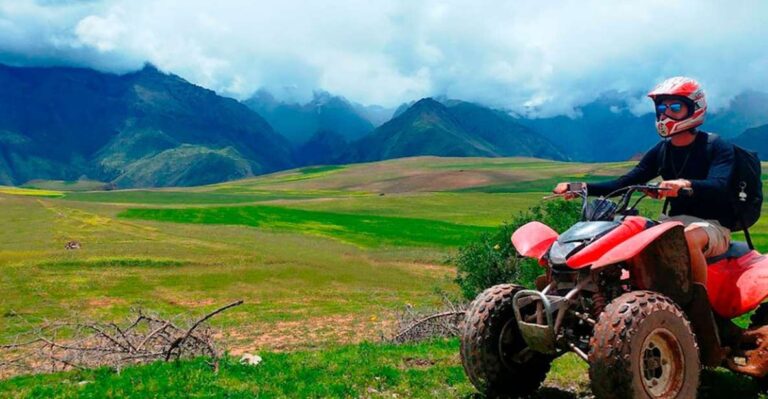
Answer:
x=539 y=336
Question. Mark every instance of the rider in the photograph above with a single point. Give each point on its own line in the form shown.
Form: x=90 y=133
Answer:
x=690 y=163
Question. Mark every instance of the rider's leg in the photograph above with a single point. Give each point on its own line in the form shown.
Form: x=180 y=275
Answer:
x=704 y=239
x=698 y=310
x=697 y=240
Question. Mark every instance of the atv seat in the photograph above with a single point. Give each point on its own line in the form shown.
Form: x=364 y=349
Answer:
x=737 y=249
x=737 y=281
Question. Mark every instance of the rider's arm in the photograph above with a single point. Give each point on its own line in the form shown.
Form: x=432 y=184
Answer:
x=720 y=168
x=647 y=169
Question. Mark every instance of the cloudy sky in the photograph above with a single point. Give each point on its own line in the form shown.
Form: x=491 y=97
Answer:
x=550 y=56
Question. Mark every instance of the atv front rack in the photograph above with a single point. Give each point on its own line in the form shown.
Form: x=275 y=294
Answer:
x=539 y=337
x=540 y=334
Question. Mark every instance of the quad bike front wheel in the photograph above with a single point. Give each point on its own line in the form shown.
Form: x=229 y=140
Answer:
x=643 y=347
x=494 y=354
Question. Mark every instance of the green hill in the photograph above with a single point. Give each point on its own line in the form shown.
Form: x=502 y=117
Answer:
x=464 y=130
x=65 y=123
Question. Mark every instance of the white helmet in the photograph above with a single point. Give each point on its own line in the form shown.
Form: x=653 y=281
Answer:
x=686 y=90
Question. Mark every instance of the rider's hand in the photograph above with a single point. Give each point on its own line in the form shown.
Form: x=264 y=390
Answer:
x=564 y=190
x=673 y=187
x=561 y=188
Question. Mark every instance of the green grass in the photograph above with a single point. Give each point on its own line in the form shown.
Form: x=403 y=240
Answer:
x=112 y=262
x=314 y=170
x=532 y=186
x=190 y=268
x=322 y=256
x=425 y=370
x=366 y=230
x=179 y=197
x=478 y=209
x=63 y=185
x=349 y=371
x=298 y=175
x=31 y=192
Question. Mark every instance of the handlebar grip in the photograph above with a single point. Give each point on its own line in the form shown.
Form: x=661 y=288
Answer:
x=685 y=192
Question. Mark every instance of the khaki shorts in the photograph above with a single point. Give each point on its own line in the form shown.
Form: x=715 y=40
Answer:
x=719 y=236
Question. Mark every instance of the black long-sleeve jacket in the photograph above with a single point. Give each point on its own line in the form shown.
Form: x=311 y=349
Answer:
x=709 y=172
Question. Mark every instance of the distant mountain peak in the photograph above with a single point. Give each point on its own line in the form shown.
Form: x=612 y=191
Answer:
x=322 y=96
x=429 y=127
x=299 y=122
x=426 y=102
x=150 y=68
x=424 y=106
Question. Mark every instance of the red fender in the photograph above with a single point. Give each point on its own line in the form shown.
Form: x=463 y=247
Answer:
x=633 y=246
x=628 y=228
x=736 y=286
x=533 y=239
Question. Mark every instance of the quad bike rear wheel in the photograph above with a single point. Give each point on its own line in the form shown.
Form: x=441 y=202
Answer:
x=643 y=347
x=494 y=354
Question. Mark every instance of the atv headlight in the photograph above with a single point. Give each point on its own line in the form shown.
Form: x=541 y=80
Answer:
x=559 y=252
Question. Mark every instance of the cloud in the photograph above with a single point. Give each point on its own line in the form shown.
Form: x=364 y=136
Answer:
x=522 y=55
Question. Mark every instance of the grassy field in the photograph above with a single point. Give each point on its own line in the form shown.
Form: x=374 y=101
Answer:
x=323 y=258
x=425 y=370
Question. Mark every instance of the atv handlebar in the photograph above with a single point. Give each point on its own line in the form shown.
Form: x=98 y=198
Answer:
x=604 y=209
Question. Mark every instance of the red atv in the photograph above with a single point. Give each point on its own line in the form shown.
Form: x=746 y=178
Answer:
x=618 y=292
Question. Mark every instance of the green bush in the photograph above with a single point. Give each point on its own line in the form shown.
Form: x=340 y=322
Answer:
x=491 y=259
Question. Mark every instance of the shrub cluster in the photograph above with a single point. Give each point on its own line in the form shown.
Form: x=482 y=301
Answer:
x=491 y=259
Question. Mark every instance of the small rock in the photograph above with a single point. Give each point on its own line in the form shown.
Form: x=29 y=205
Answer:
x=81 y=383
x=249 y=359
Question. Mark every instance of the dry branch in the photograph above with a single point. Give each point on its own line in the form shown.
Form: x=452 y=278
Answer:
x=88 y=344
x=414 y=326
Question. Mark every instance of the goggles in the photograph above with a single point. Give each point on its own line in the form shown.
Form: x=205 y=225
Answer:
x=674 y=107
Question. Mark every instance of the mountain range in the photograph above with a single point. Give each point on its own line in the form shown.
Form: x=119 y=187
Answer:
x=149 y=128
x=145 y=128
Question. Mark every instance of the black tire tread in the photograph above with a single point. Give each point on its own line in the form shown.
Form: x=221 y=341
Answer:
x=482 y=364
x=611 y=368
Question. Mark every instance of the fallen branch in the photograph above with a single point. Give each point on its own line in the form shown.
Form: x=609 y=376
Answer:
x=414 y=326
x=424 y=320
x=144 y=339
x=179 y=341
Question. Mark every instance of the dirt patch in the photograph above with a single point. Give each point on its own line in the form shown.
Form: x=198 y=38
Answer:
x=105 y=302
x=432 y=181
x=307 y=333
x=193 y=303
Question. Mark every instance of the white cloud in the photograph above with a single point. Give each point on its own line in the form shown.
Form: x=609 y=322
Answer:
x=103 y=33
x=548 y=55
